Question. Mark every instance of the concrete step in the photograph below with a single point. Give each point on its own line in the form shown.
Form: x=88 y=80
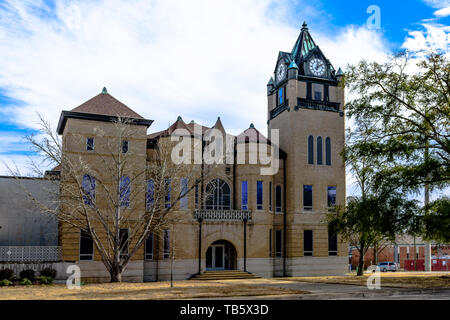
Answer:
x=224 y=275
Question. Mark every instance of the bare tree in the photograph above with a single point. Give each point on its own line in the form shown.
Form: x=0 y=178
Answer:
x=112 y=188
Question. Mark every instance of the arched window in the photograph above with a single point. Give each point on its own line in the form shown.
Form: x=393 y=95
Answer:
x=278 y=199
x=310 y=150
x=218 y=195
x=328 y=151
x=319 y=150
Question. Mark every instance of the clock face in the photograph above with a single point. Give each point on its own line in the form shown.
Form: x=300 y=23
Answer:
x=281 y=71
x=317 y=67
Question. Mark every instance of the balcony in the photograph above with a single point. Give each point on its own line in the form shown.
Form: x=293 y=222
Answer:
x=317 y=105
x=222 y=215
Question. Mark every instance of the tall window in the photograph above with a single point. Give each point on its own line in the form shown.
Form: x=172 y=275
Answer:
x=307 y=243
x=270 y=195
x=124 y=146
x=307 y=197
x=167 y=198
x=319 y=150
x=281 y=95
x=123 y=235
x=89 y=144
x=166 y=244
x=218 y=195
x=259 y=195
x=328 y=151
x=244 y=195
x=331 y=196
x=310 y=150
x=278 y=199
x=125 y=191
x=149 y=247
x=86 y=246
x=278 y=243
x=88 y=186
x=270 y=242
x=150 y=195
x=196 y=196
x=332 y=244
x=183 y=193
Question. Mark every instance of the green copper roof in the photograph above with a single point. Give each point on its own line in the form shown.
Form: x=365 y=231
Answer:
x=252 y=125
x=271 y=82
x=179 y=118
x=293 y=65
x=339 y=72
x=304 y=44
x=104 y=90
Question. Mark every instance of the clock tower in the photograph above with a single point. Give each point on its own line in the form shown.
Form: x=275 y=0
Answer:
x=305 y=103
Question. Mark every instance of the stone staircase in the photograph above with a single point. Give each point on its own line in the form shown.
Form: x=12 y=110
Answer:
x=224 y=275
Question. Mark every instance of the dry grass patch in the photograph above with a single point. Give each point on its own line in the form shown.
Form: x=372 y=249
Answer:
x=142 y=291
x=388 y=279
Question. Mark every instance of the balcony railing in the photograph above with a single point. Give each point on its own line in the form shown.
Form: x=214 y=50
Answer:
x=222 y=215
x=30 y=254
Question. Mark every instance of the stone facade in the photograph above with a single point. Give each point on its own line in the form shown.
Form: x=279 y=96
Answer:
x=264 y=236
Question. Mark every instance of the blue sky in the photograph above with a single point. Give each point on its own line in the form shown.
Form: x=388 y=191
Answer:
x=163 y=58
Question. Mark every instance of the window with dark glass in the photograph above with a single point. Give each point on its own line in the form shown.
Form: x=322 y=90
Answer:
x=270 y=242
x=167 y=189
x=307 y=243
x=88 y=186
x=218 y=195
x=307 y=197
x=244 y=195
x=150 y=195
x=124 y=146
x=90 y=144
x=278 y=243
x=183 y=193
x=125 y=191
x=331 y=196
x=310 y=150
x=166 y=244
x=317 y=95
x=278 y=200
x=319 y=150
x=149 y=247
x=332 y=244
x=259 y=195
x=328 y=151
x=86 y=246
x=123 y=235
x=309 y=90
x=270 y=196
x=196 y=191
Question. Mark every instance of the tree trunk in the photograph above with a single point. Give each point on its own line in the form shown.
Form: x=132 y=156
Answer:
x=116 y=273
x=361 y=262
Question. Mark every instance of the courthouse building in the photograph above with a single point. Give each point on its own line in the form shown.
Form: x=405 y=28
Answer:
x=268 y=225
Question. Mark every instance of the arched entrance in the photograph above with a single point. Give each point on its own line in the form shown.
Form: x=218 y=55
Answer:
x=221 y=255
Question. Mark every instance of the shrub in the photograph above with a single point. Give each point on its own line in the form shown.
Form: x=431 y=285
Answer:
x=6 y=274
x=26 y=282
x=45 y=280
x=48 y=272
x=27 y=274
x=5 y=282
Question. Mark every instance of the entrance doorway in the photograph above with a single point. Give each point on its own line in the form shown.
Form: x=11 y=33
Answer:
x=221 y=255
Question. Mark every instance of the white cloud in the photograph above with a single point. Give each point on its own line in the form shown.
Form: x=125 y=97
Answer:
x=438 y=3
x=434 y=36
x=444 y=12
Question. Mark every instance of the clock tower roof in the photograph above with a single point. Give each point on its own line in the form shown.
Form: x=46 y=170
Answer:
x=303 y=45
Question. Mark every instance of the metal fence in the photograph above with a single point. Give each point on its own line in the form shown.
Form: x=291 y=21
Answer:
x=30 y=254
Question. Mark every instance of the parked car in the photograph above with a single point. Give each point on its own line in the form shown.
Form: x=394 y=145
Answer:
x=387 y=266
